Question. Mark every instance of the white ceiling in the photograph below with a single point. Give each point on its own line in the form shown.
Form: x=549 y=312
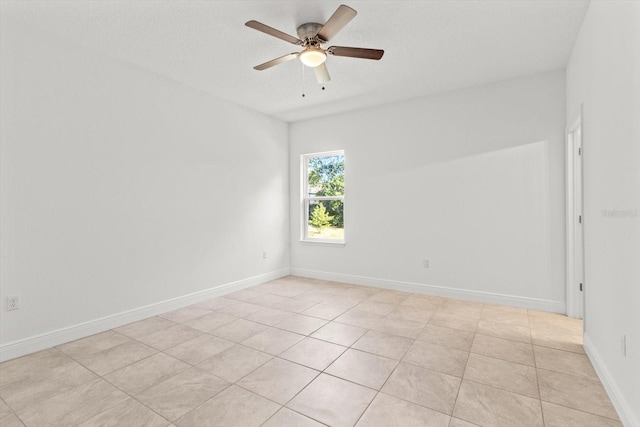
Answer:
x=430 y=46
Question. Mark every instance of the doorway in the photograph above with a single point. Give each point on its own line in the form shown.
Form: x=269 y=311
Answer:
x=576 y=288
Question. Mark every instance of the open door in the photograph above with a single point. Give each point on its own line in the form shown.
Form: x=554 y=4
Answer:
x=575 y=222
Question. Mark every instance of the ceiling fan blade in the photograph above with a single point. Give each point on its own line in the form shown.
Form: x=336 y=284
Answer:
x=276 y=61
x=338 y=20
x=322 y=74
x=356 y=52
x=273 y=32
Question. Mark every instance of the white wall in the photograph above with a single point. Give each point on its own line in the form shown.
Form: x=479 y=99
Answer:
x=472 y=180
x=604 y=75
x=121 y=188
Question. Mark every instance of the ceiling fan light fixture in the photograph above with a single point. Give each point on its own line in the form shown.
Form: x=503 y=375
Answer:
x=313 y=56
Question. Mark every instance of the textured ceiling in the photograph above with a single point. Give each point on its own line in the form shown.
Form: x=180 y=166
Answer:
x=430 y=46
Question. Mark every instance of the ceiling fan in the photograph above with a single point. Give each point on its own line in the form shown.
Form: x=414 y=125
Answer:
x=311 y=36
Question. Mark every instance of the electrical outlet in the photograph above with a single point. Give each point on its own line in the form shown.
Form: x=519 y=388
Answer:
x=264 y=254
x=13 y=302
x=623 y=345
x=425 y=263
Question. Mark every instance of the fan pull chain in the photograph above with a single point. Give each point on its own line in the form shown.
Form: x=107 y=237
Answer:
x=303 y=94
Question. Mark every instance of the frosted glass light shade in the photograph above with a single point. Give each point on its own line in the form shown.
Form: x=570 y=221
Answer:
x=312 y=56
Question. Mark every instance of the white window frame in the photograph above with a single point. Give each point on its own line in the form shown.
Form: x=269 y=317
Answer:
x=306 y=200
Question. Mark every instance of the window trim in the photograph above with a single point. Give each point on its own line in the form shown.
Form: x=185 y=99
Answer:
x=305 y=199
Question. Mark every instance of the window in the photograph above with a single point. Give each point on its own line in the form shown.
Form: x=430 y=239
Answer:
x=323 y=197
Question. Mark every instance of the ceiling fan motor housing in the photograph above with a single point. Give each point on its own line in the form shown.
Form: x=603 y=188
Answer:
x=308 y=33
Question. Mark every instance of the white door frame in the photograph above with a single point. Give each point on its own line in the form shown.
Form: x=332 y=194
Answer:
x=575 y=221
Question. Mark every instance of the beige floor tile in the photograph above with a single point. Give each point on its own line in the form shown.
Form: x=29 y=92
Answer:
x=421 y=303
x=197 y=350
x=457 y=422
x=460 y=312
x=129 y=413
x=324 y=311
x=4 y=409
x=452 y=338
x=11 y=420
x=389 y=411
x=575 y=392
x=360 y=291
x=473 y=308
x=241 y=309
x=287 y=418
x=383 y=344
x=244 y=295
x=436 y=357
x=314 y=353
x=491 y=407
x=145 y=373
x=174 y=335
x=400 y=327
x=506 y=309
x=289 y=290
x=209 y=321
x=505 y=331
x=556 y=322
x=34 y=364
x=564 y=361
x=185 y=313
x=411 y=313
x=343 y=301
x=454 y=321
x=374 y=307
x=144 y=327
x=294 y=305
x=216 y=304
x=273 y=341
x=556 y=331
x=560 y=416
x=558 y=340
x=278 y=380
x=267 y=300
x=269 y=316
x=301 y=324
x=339 y=333
x=239 y=330
x=511 y=351
x=315 y=296
x=333 y=401
x=95 y=343
x=509 y=376
x=389 y=297
x=360 y=318
x=235 y=362
x=504 y=314
x=116 y=357
x=26 y=384
x=73 y=406
x=362 y=368
x=231 y=407
x=179 y=394
x=423 y=387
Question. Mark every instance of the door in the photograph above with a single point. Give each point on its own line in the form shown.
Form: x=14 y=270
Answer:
x=575 y=223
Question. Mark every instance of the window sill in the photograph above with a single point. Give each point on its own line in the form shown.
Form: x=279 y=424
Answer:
x=324 y=242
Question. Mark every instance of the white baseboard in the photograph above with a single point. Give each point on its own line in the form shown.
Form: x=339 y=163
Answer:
x=420 y=288
x=622 y=405
x=29 y=345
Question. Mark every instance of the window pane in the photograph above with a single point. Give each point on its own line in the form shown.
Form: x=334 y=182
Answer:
x=326 y=175
x=326 y=220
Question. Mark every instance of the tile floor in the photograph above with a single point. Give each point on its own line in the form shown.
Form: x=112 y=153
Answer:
x=301 y=352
